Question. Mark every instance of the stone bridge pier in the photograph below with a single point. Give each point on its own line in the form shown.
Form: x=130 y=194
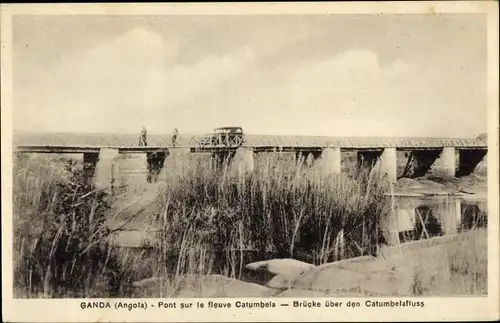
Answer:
x=242 y=162
x=384 y=162
x=447 y=162
x=106 y=169
x=113 y=170
x=326 y=162
x=238 y=163
x=329 y=163
x=174 y=160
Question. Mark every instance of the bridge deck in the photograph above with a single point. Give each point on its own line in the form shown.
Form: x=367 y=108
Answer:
x=73 y=142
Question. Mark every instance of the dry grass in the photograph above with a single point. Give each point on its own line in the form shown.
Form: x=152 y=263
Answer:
x=284 y=209
x=458 y=268
x=60 y=238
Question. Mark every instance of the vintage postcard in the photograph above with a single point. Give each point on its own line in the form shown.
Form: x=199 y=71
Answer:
x=250 y=162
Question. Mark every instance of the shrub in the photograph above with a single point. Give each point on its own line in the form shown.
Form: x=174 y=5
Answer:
x=61 y=239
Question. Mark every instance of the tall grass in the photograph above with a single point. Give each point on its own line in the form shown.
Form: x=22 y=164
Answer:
x=60 y=239
x=285 y=210
x=458 y=268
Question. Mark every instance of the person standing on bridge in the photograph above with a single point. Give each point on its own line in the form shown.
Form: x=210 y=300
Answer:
x=174 y=137
x=143 y=140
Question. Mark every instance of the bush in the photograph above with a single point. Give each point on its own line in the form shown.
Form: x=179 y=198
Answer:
x=61 y=239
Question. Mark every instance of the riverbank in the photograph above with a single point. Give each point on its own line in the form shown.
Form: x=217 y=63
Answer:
x=450 y=267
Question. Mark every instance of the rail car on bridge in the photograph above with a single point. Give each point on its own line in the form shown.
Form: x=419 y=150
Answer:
x=227 y=137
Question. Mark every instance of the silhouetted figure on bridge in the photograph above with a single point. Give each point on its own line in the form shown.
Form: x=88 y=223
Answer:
x=174 y=137
x=143 y=139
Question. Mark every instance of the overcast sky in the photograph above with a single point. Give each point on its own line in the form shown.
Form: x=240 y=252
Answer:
x=338 y=75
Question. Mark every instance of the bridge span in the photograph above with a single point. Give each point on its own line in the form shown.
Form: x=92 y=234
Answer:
x=128 y=143
x=451 y=156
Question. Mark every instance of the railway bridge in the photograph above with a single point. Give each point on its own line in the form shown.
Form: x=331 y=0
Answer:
x=449 y=156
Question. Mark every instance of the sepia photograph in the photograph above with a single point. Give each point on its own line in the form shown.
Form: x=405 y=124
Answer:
x=250 y=158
